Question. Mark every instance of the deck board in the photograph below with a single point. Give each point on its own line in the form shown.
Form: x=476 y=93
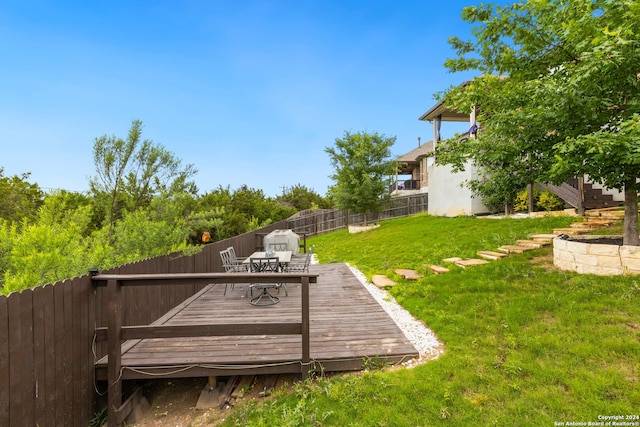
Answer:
x=347 y=326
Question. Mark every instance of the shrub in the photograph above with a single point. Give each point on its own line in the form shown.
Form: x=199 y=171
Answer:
x=543 y=201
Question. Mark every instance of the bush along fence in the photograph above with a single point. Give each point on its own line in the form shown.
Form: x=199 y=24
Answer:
x=48 y=345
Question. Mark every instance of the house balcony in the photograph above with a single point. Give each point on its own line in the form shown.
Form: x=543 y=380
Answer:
x=406 y=187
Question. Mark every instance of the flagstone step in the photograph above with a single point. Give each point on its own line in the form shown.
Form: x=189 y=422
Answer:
x=513 y=249
x=490 y=255
x=438 y=269
x=611 y=213
x=382 y=281
x=591 y=225
x=464 y=263
x=530 y=243
x=408 y=274
x=452 y=259
x=543 y=237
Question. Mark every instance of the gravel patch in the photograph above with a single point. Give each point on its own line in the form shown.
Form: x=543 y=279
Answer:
x=422 y=338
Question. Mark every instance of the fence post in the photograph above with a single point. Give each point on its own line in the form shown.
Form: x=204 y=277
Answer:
x=306 y=354
x=114 y=328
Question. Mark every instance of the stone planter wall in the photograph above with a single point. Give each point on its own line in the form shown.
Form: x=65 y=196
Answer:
x=591 y=258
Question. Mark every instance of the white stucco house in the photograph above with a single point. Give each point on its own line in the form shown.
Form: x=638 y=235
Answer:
x=447 y=194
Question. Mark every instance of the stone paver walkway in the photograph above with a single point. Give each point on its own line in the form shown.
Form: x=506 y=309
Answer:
x=592 y=220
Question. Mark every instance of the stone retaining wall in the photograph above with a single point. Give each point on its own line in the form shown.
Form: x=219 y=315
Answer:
x=591 y=258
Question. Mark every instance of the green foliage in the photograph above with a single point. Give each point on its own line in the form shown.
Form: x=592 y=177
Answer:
x=522 y=200
x=549 y=201
x=571 y=102
x=131 y=172
x=542 y=201
x=302 y=198
x=362 y=163
x=242 y=210
x=53 y=248
x=61 y=244
x=141 y=205
x=99 y=418
x=20 y=198
x=138 y=236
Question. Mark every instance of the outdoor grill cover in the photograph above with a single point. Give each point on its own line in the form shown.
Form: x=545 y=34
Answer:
x=283 y=236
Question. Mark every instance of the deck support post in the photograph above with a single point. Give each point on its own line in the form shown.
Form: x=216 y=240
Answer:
x=114 y=341
x=306 y=354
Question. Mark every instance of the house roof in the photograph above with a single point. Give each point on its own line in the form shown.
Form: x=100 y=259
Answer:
x=448 y=115
x=414 y=155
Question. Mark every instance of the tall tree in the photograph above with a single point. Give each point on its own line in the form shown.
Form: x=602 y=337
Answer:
x=300 y=197
x=20 y=198
x=130 y=172
x=570 y=101
x=362 y=164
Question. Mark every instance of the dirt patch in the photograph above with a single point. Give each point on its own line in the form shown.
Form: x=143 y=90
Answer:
x=173 y=401
x=545 y=261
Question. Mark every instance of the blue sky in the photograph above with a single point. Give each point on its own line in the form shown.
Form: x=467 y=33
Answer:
x=250 y=92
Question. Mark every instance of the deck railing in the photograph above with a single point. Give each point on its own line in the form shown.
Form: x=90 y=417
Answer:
x=115 y=333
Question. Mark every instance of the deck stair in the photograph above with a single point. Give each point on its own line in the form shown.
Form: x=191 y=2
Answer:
x=594 y=198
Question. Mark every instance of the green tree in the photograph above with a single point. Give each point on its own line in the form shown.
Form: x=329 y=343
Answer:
x=243 y=210
x=573 y=67
x=301 y=198
x=129 y=173
x=52 y=248
x=362 y=164
x=138 y=235
x=508 y=153
x=20 y=198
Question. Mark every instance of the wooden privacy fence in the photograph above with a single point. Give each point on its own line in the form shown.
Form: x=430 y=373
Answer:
x=310 y=222
x=48 y=340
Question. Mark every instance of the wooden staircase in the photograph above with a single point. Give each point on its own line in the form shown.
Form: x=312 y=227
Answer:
x=594 y=198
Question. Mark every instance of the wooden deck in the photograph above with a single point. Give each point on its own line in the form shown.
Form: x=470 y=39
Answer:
x=347 y=327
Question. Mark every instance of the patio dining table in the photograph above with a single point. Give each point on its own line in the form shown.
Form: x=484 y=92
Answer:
x=284 y=257
x=265 y=298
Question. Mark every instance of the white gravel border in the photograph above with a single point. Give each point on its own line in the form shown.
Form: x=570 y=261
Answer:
x=422 y=338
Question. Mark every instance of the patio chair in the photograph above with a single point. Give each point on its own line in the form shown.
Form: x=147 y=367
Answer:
x=263 y=265
x=300 y=267
x=231 y=264
x=235 y=258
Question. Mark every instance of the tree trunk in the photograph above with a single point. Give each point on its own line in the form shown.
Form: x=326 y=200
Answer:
x=630 y=236
x=530 y=202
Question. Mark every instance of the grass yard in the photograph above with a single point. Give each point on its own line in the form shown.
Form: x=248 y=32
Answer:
x=526 y=344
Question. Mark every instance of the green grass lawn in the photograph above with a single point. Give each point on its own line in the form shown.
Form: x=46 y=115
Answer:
x=525 y=344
